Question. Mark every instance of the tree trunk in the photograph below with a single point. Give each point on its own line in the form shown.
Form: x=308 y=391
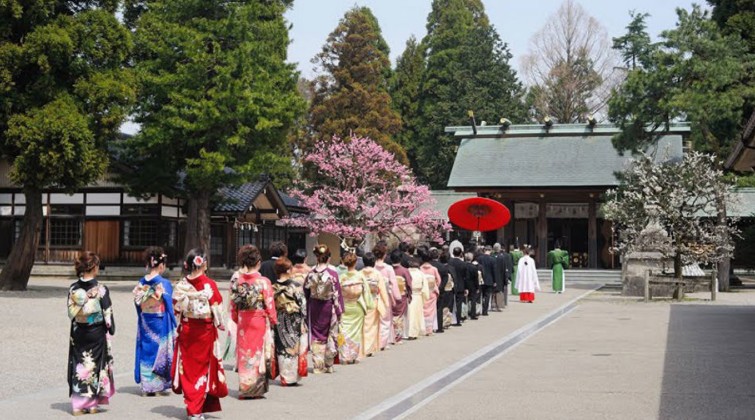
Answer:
x=678 y=275
x=724 y=265
x=198 y=222
x=15 y=274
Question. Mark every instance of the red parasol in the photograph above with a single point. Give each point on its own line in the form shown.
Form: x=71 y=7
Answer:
x=478 y=213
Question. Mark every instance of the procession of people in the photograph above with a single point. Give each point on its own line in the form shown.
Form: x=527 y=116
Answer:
x=281 y=312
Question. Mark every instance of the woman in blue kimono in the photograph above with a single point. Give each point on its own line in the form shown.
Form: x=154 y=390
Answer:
x=156 y=328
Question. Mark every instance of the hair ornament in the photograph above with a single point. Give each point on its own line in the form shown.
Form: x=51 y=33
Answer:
x=198 y=261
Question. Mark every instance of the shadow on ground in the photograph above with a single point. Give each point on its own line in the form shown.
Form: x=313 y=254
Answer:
x=709 y=369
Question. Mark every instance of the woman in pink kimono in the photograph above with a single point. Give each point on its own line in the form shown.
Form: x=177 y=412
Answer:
x=387 y=330
x=253 y=310
x=433 y=283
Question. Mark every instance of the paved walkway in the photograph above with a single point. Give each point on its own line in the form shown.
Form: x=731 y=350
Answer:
x=610 y=357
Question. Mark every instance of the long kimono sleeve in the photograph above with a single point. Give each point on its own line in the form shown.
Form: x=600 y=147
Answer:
x=168 y=300
x=337 y=296
x=438 y=280
x=565 y=258
x=383 y=292
x=216 y=306
x=77 y=298
x=107 y=310
x=393 y=286
x=551 y=259
x=232 y=300
x=268 y=295
x=369 y=302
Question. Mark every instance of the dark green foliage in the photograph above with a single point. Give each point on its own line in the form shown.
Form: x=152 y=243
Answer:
x=635 y=45
x=405 y=89
x=63 y=94
x=467 y=68
x=216 y=93
x=696 y=74
x=351 y=94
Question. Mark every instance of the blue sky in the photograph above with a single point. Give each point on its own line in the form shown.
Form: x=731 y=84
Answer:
x=516 y=21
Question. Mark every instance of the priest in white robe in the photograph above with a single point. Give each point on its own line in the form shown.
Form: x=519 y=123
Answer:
x=526 y=278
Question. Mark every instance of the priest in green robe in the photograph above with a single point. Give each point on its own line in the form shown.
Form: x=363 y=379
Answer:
x=558 y=260
x=516 y=254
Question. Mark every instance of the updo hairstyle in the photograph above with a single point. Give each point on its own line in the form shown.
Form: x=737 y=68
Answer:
x=349 y=260
x=282 y=265
x=195 y=259
x=322 y=253
x=154 y=256
x=86 y=263
x=248 y=256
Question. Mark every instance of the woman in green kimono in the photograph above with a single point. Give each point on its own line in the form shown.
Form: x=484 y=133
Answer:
x=558 y=260
x=516 y=254
x=357 y=301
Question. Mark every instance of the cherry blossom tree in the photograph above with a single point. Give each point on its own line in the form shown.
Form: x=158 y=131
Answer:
x=684 y=196
x=359 y=188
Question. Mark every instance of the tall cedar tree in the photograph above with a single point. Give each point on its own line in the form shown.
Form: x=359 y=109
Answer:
x=351 y=93
x=217 y=99
x=467 y=68
x=404 y=89
x=63 y=94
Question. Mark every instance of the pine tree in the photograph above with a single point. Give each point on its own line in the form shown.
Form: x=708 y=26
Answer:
x=351 y=93
x=63 y=94
x=216 y=94
x=467 y=68
x=695 y=74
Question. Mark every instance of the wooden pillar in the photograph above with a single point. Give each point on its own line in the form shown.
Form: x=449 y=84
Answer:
x=509 y=232
x=592 y=235
x=542 y=234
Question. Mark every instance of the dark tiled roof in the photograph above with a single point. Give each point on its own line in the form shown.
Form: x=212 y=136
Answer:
x=540 y=161
x=236 y=199
x=289 y=201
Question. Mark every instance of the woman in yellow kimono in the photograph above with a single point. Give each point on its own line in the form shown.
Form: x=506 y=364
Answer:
x=420 y=294
x=380 y=297
x=357 y=301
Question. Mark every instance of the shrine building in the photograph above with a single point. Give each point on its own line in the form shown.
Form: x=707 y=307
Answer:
x=553 y=179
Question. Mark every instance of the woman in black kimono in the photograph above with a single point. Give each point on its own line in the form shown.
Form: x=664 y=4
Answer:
x=90 y=358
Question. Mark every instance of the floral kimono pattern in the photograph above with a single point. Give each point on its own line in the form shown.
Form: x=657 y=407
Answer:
x=155 y=334
x=253 y=311
x=324 y=313
x=90 y=356
x=197 y=369
x=357 y=301
x=372 y=319
x=289 y=349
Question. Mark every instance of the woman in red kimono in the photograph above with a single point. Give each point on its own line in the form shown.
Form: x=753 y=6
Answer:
x=253 y=311
x=197 y=368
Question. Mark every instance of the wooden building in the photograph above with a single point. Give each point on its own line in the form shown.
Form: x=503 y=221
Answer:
x=105 y=219
x=552 y=178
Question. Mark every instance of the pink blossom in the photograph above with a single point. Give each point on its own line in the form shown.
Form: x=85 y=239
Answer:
x=82 y=373
x=360 y=189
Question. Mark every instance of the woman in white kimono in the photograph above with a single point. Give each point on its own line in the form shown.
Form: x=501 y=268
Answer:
x=420 y=294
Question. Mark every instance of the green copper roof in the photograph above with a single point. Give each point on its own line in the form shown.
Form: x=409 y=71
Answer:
x=573 y=155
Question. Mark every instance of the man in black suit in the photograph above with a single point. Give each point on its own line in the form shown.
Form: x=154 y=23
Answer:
x=503 y=269
x=460 y=280
x=443 y=296
x=472 y=284
x=487 y=265
x=267 y=268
